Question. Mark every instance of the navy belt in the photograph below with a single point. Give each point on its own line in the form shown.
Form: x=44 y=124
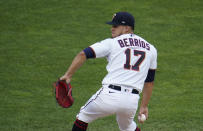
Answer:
x=118 y=88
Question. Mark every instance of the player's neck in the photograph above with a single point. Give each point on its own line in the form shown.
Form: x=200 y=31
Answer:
x=129 y=32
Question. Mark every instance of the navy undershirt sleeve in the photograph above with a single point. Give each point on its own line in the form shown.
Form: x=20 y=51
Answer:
x=150 y=76
x=89 y=52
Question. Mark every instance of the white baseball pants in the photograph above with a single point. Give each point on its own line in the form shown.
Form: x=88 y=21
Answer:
x=108 y=101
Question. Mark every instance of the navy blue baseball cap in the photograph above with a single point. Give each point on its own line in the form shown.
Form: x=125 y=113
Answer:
x=122 y=18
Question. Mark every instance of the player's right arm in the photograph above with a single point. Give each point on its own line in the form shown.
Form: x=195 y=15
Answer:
x=146 y=95
x=149 y=84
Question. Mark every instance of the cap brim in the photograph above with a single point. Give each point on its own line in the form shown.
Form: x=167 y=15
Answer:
x=112 y=23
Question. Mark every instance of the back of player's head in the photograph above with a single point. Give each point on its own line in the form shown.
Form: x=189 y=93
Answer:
x=123 y=18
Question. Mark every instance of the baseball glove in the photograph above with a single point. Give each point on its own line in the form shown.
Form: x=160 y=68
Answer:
x=63 y=92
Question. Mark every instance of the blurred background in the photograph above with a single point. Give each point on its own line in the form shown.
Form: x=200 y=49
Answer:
x=39 y=39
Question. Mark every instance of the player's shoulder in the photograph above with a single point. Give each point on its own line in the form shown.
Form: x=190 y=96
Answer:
x=107 y=40
x=121 y=36
x=152 y=47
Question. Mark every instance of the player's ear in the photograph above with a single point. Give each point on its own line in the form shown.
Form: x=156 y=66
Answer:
x=124 y=29
x=127 y=29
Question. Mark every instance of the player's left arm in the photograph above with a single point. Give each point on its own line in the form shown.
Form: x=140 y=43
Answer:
x=99 y=49
x=76 y=63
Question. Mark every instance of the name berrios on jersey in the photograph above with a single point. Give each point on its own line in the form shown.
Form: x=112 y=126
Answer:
x=127 y=42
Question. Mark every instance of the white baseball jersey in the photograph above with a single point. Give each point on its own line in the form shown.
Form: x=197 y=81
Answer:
x=129 y=59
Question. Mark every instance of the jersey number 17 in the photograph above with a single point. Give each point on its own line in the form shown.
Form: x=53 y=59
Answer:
x=137 y=64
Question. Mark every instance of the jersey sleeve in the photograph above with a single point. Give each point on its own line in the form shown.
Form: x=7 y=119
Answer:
x=102 y=48
x=150 y=76
x=153 y=62
x=89 y=52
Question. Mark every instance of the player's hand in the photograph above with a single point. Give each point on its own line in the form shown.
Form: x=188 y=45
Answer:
x=143 y=110
x=66 y=78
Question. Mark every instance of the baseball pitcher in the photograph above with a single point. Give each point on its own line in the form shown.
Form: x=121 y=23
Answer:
x=132 y=62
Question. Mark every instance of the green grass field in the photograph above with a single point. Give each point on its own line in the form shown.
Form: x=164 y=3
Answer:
x=39 y=39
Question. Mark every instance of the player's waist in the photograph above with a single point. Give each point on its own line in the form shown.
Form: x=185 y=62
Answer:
x=124 y=89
